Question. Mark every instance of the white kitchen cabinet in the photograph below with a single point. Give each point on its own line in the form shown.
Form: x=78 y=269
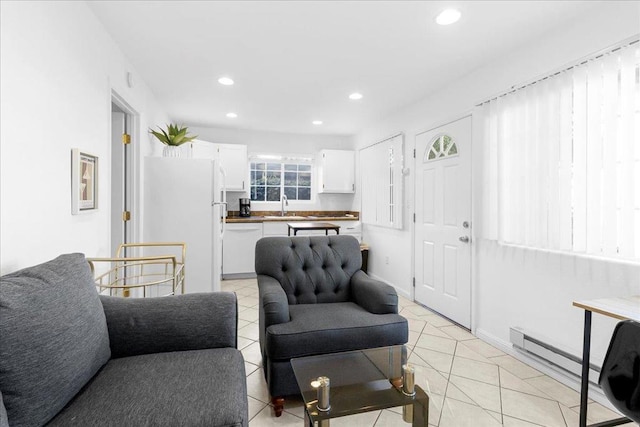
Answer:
x=204 y=150
x=280 y=228
x=276 y=228
x=238 y=248
x=232 y=158
x=336 y=171
x=351 y=228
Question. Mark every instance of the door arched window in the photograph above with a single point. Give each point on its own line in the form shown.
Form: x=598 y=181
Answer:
x=442 y=146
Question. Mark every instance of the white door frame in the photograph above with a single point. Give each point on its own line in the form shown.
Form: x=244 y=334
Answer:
x=134 y=164
x=472 y=148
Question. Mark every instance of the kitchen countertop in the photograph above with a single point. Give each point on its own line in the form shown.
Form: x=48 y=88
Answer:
x=267 y=216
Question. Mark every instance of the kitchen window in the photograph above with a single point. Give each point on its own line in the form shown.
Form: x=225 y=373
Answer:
x=271 y=179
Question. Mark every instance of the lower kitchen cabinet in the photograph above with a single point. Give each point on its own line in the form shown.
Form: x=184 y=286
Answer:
x=239 y=243
x=276 y=228
x=352 y=228
x=238 y=249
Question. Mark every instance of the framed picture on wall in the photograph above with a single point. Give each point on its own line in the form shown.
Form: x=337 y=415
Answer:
x=84 y=182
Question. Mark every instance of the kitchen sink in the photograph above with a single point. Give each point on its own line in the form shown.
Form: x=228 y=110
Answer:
x=284 y=217
x=330 y=216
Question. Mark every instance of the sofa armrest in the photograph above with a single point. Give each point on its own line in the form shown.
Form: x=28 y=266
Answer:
x=372 y=295
x=274 y=305
x=177 y=323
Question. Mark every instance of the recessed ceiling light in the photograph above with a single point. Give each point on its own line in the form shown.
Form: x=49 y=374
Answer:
x=448 y=16
x=355 y=96
x=225 y=81
x=232 y=115
x=317 y=122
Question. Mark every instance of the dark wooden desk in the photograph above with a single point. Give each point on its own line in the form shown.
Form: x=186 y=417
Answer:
x=298 y=226
x=622 y=308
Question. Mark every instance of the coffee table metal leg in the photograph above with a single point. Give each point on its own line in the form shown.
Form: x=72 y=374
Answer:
x=420 y=409
x=321 y=423
x=407 y=414
x=309 y=423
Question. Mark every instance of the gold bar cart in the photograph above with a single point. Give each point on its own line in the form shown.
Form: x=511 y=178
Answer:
x=160 y=272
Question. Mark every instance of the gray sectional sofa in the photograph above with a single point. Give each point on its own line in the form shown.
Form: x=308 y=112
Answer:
x=69 y=357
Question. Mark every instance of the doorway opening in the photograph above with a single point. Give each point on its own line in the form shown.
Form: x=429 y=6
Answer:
x=123 y=166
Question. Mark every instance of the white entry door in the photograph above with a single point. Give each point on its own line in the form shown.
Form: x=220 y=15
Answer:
x=443 y=220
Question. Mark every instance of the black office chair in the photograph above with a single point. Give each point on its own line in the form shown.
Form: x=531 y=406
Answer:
x=620 y=375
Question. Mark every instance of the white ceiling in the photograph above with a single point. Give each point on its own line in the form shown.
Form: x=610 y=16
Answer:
x=297 y=61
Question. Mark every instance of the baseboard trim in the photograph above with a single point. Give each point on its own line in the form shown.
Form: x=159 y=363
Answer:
x=239 y=276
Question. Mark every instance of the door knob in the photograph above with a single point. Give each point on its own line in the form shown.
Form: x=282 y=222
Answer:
x=464 y=239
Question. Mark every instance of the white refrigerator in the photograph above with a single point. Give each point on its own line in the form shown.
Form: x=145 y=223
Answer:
x=184 y=201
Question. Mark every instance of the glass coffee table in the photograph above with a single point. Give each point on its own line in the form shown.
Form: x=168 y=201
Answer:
x=359 y=381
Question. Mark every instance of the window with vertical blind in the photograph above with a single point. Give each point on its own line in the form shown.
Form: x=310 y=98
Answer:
x=561 y=159
x=381 y=183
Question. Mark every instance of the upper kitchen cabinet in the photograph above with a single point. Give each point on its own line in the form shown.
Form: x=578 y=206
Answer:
x=336 y=171
x=204 y=150
x=232 y=158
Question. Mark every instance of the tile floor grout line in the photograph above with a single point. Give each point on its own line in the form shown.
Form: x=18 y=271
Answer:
x=377 y=419
x=473 y=379
x=444 y=397
x=548 y=396
x=500 y=391
x=526 y=421
x=566 y=423
x=417 y=313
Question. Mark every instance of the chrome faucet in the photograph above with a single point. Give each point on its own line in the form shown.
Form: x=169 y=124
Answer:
x=284 y=202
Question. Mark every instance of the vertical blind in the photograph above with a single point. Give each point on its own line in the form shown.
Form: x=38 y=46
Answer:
x=381 y=182
x=561 y=160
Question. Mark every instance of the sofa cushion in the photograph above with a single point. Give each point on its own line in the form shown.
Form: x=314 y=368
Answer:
x=54 y=337
x=182 y=322
x=190 y=388
x=4 y=422
x=329 y=328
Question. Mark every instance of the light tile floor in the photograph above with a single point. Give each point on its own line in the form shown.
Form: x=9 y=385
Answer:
x=469 y=382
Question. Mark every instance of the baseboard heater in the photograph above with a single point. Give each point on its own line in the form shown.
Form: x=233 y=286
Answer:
x=550 y=354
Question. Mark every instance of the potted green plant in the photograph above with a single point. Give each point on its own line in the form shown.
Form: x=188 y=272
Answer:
x=172 y=138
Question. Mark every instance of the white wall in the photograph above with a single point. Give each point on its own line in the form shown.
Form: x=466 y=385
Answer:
x=58 y=68
x=512 y=287
x=263 y=142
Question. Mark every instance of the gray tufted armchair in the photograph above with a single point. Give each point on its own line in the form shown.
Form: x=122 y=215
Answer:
x=314 y=299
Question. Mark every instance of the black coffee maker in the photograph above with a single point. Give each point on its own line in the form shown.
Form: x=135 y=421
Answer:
x=245 y=207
